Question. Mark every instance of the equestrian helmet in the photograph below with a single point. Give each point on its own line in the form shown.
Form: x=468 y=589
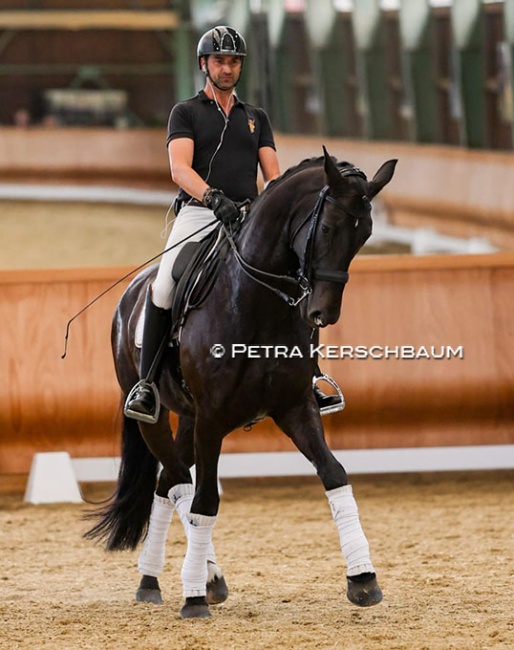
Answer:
x=221 y=40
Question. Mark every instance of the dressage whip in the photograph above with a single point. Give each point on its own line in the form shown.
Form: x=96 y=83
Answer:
x=127 y=275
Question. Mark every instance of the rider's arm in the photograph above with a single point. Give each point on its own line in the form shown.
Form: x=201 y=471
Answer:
x=268 y=162
x=180 y=153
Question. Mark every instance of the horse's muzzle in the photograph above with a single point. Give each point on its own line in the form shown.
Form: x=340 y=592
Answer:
x=323 y=305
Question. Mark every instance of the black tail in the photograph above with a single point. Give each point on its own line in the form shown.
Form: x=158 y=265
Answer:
x=123 y=522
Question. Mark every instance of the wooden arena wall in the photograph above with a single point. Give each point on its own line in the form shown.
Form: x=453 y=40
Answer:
x=459 y=192
x=460 y=302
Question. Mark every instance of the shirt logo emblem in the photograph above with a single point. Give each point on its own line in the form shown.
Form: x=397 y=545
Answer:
x=251 y=125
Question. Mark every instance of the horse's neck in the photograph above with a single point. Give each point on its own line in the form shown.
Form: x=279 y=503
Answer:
x=266 y=239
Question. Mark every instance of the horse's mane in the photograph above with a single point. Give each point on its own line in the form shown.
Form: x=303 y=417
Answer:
x=306 y=163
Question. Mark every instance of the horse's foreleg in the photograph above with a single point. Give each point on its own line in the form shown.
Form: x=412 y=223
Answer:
x=362 y=586
x=216 y=587
x=170 y=496
x=151 y=559
x=182 y=496
x=159 y=439
x=303 y=426
x=200 y=521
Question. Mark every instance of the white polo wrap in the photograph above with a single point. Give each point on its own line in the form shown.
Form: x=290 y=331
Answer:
x=199 y=539
x=354 y=544
x=182 y=496
x=151 y=558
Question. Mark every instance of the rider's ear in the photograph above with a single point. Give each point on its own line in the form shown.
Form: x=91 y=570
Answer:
x=381 y=178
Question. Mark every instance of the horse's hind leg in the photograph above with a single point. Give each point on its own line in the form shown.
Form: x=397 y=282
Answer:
x=303 y=426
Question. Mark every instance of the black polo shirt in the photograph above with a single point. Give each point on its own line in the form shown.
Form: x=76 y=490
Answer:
x=234 y=166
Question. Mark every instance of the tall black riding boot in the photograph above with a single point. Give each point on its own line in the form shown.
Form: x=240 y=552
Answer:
x=143 y=401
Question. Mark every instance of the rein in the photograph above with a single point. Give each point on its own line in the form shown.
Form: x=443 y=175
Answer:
x=251 y=270
x=306 y=273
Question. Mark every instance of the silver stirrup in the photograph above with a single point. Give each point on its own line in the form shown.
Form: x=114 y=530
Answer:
x=326 y=410
x=142 y=417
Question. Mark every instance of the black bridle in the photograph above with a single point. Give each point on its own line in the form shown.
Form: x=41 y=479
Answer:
x=307 y=270
x=306 y=273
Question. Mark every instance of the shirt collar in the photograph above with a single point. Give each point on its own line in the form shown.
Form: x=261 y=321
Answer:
x=204 y=98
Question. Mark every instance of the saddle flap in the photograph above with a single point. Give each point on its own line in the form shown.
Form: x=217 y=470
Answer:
x=194 y=271
x=183 y=258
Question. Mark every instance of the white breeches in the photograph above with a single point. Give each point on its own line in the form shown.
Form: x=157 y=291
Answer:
x=190 y=219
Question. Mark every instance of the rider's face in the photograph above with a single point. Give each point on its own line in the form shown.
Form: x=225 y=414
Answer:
x=224 y=70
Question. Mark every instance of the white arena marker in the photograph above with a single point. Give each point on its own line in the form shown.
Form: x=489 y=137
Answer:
x=52 y=479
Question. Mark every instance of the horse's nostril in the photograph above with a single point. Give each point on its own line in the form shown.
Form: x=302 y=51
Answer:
x=318 y=319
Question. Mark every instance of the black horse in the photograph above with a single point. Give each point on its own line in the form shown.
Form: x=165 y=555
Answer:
x=282 y=280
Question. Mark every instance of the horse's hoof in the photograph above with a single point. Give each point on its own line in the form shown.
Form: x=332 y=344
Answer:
x=217 y=591
x=195 y=608
x=364 y=593
x=149 y=596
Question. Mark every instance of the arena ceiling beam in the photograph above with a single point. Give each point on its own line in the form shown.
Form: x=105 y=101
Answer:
x=80 y=19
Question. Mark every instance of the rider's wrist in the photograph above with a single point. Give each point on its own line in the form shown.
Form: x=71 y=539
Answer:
x=207 y=196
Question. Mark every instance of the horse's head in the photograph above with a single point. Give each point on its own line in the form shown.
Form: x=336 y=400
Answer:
x=338 y=227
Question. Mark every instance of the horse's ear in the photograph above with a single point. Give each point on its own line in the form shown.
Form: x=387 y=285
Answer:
x=381 y=178
x=333 y=175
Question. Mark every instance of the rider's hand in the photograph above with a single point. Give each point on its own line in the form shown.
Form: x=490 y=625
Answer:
x=224 y=209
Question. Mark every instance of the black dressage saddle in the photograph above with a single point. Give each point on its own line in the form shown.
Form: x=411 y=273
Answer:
x=195 y=271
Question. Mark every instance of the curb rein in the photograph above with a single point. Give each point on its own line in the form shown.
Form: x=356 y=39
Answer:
x=305 y=273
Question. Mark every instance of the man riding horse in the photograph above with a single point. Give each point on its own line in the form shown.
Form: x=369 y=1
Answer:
x=215 y=143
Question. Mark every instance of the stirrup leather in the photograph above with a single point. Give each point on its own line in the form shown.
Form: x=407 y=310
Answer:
x=136 y=415
x=334 y=408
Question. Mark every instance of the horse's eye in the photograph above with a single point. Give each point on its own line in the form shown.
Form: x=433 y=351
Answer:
x=325 y=229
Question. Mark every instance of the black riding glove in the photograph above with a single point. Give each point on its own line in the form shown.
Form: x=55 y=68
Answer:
x=224 y=209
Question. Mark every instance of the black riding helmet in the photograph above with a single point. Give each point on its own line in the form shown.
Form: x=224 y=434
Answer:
x=221 y=40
